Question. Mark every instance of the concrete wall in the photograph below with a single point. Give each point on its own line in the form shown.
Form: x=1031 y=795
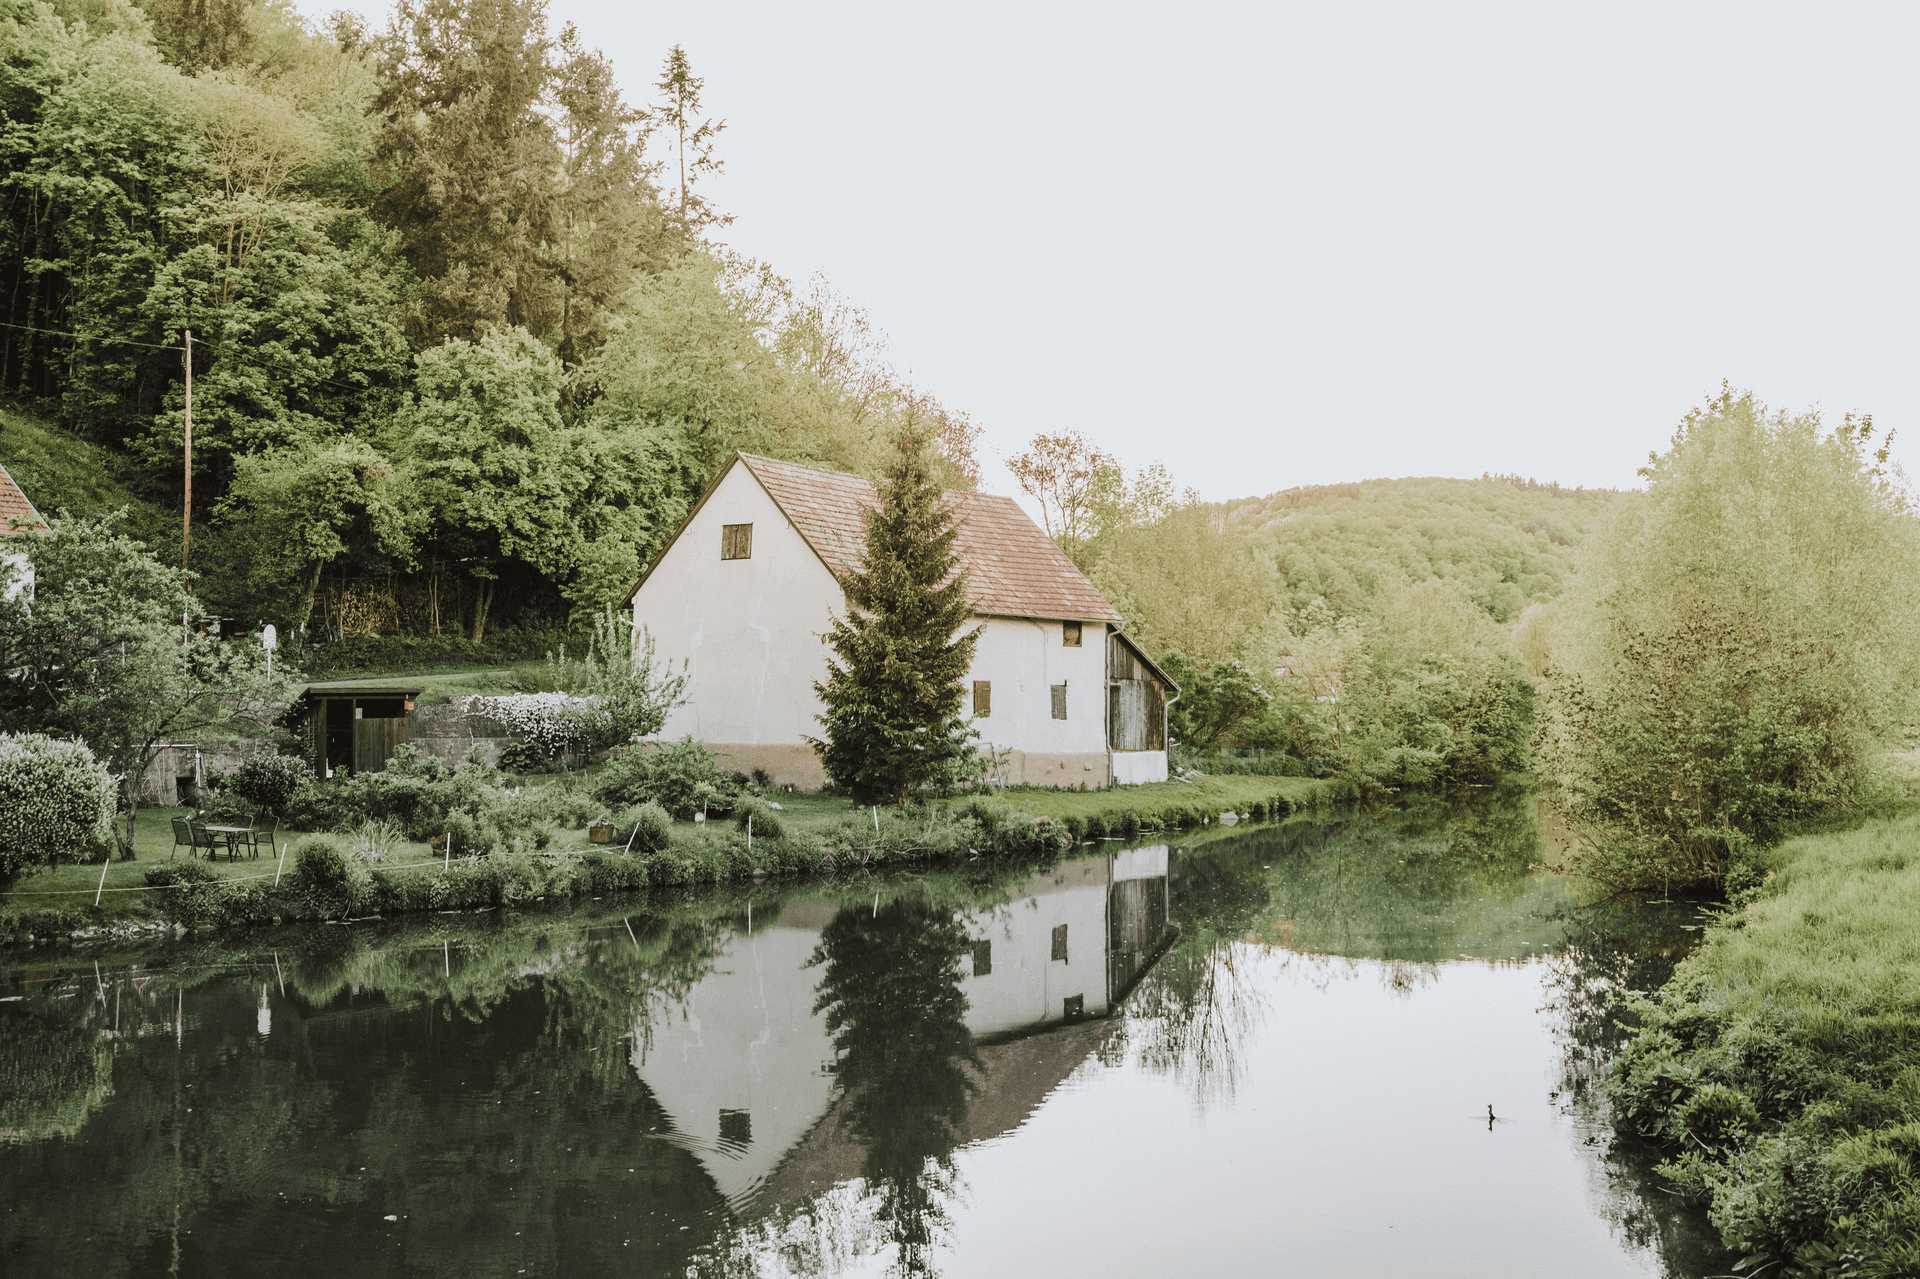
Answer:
x=749 y=631
x=448 y=732
x=160 y=784
x=1135 y=767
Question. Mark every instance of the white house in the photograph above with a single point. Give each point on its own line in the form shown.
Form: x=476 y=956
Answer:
x=748 y=588
x=17 y=518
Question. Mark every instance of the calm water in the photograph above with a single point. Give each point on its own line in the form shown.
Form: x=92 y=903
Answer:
x=1270 y=1050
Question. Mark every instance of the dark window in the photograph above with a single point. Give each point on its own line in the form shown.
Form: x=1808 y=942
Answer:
x=1075 y=1008
x=982 y=958
x=736 y=1127
x=736 y=541
x=1059 y=701
x=1070 y=634
x=982 y=698
x=1060 y=942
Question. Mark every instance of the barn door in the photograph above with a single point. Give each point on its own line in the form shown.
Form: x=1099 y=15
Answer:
x=373 y=742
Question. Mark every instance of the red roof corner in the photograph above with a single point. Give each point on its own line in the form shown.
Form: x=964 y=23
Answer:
x=15 y=506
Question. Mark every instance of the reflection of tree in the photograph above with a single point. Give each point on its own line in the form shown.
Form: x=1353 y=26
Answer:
x=53 y=1071
x=891 y=992
x=1611 y=953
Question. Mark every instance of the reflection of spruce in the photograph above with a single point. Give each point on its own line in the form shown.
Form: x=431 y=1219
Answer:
x=893 y=1002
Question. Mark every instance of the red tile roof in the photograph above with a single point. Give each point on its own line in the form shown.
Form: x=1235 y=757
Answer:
x=15 y=506
x=1013 y=569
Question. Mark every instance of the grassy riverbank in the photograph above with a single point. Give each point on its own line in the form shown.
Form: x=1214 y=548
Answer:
x=1782 y=1063
x=816 y=835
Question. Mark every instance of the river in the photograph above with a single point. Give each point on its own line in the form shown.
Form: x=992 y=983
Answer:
x=1366 y=1045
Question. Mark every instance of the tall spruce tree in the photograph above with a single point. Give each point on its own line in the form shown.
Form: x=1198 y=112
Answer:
x=892 y=699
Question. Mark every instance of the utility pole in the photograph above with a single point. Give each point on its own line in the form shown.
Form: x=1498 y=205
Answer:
x=186 y=512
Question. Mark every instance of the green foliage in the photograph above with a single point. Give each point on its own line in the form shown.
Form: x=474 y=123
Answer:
x=682 y=777
x=270 y=781
x=326 y=882
x=1780 y=1067
x=100 y=654
x=892 y=699
x=622 y=699
x=1738 y=646
x=759 y=817
x=1214 y=705
x=648 y=827
x=54 y=1072
x=55 y=799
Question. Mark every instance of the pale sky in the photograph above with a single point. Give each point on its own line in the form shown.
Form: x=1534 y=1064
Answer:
x=1276 y=244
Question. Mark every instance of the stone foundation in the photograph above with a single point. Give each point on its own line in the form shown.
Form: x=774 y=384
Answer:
x=1085 y=770
x=789 y=765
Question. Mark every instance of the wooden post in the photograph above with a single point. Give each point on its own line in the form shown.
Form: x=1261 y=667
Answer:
x=103 y=877
x=276 y=883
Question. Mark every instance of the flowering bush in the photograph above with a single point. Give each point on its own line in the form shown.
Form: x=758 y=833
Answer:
x=549 y=720
x=55 y=798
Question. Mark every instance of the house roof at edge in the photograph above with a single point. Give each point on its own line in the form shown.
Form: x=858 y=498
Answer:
x=15 y=506
x=1013 y=569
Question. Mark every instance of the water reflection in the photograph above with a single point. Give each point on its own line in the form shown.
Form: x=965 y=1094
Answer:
x=845 y=1076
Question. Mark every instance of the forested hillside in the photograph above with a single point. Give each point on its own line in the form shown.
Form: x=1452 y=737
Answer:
x=463 y=343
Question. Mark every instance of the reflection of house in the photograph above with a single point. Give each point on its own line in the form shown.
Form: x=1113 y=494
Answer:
x=742 y=1066
x=751 y=582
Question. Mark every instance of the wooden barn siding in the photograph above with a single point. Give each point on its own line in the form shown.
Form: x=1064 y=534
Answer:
x=1136 y=703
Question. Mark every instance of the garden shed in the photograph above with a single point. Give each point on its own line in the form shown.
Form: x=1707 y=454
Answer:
x=354 y=727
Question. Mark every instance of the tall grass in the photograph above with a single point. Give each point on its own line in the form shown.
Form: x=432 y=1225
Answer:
x=1782 y=1062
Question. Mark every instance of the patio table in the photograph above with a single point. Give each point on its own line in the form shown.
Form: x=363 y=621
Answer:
x=231 y=834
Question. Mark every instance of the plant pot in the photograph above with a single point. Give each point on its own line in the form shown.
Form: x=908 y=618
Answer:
x=600 y=833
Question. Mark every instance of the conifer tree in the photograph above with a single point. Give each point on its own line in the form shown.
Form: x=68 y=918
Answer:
x=892 y=699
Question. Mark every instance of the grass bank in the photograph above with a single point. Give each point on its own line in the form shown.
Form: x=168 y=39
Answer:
x=1782 y=1063
x=811 y=835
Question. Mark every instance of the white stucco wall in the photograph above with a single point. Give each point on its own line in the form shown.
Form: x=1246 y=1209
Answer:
x=19 y=579
x=748 y=629
x=1023 y=660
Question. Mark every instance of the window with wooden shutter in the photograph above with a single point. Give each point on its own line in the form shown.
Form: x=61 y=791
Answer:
x=982 y=698
x=1060 y=942
x=982 y=958
x=1070 y=634
x=1059 y=701
x=736 y=541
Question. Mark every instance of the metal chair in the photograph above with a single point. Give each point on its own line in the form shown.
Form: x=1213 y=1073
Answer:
x=203 y=839
x=258 y=834
x=182 y=837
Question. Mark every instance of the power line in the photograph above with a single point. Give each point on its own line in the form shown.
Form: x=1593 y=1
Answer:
x=86 y=337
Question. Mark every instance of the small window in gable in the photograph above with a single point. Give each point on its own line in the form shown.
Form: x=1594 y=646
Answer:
x=736 y=541
x=982 y=698
x=1059 y=701
x=1070 y=634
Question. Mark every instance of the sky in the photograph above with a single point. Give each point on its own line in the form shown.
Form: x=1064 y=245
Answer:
x=1275 y=244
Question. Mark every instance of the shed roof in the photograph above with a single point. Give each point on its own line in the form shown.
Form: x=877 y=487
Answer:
x=1013 y=569
x=15 y=506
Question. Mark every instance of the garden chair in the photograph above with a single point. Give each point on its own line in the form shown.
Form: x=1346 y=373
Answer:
x=182 y=837
x=203 y=839
x=263 y=834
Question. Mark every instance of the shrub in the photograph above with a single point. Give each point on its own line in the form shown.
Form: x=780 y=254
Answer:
x=648 y=826
x=680 y=777
x=765 y=822
x=192 y=890
x=325 y=806
x=525 y=757
x=326 y=882
x=376 y=840
x=55 y=798
x=271 y=781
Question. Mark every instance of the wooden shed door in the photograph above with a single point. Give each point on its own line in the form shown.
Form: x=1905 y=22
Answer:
x=373 y=742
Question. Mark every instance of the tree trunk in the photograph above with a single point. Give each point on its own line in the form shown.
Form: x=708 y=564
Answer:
x=482 y=600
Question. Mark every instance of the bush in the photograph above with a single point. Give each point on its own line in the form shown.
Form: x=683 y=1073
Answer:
x=326 y=882
x=648 y=826
x=55 y=798
x=192 y=890
x=765 y=822
x=525 y=757
x=325 y=806
x=270 y=782
x=681 y=777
